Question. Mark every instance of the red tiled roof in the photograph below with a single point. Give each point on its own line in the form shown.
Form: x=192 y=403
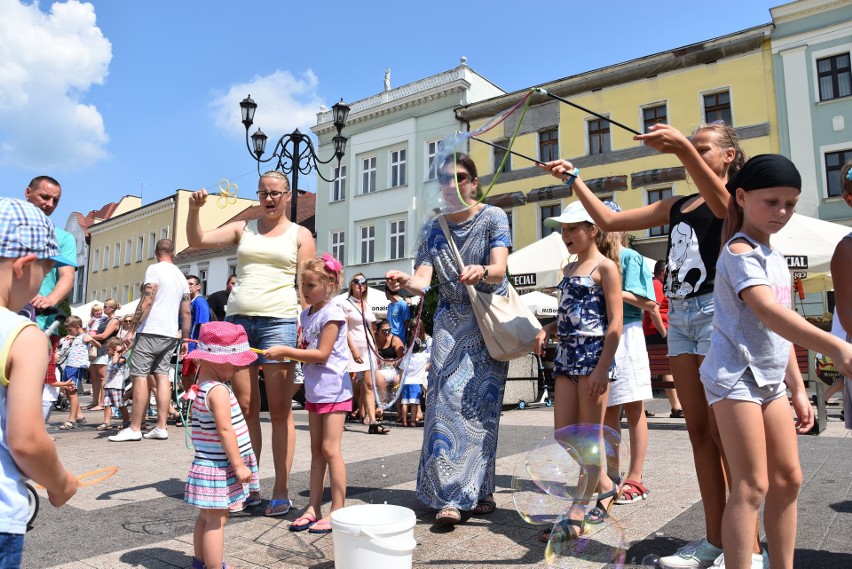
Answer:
x=88 y=220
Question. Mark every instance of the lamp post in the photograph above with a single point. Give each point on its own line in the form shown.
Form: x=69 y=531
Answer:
x=300 y=156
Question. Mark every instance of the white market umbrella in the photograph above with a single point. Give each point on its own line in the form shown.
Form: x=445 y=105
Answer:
x=809 y=241
x=541 y=304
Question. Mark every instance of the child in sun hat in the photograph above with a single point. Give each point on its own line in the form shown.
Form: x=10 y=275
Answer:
x=224 y=469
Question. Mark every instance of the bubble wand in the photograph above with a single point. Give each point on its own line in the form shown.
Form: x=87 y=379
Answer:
x=503 y=148
x=584 y=109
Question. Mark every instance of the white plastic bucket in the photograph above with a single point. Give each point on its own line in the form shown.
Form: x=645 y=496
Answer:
x=373 y=535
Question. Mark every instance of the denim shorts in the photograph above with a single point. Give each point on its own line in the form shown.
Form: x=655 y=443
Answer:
x=265 y=331
x=75 y=374
x=11 y=549
x=745 y=389
x=690 y=325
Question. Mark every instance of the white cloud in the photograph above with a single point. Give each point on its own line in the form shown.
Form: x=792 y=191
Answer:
x=284 y=102
x=48 y=61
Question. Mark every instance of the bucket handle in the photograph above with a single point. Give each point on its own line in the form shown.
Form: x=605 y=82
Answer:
x=377 y=541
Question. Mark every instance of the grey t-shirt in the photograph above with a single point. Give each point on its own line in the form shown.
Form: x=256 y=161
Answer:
x=739 y=339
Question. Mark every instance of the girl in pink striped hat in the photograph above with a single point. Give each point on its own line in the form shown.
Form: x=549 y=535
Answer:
x=224 y=469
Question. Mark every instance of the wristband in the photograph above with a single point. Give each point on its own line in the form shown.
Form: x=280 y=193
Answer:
x=571 y=177
x=484 y=272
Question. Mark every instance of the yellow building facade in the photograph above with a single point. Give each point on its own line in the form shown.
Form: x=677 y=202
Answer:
x=122 y=247
x=728 y=77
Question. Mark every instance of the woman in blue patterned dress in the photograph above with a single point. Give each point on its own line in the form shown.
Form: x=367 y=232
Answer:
x=457 y=461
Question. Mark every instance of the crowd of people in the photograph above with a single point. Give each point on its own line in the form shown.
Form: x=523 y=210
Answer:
x=720 y=302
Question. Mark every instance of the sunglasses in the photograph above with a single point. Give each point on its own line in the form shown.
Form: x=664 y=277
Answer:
x=360 y=282
x=461 y=178
x=274 y=194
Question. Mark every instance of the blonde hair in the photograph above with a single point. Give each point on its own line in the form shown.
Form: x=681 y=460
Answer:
x=112 y=303
x=278 y=176
x=95 y=307
x=610 y=243
x=727 y=139
x=112 y=343
x=326 y=275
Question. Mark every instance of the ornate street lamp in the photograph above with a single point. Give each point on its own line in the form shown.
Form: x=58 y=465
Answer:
x=297 y=158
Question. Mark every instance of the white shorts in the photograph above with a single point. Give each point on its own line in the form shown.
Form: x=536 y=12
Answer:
x=745 y=389
x=632 y=370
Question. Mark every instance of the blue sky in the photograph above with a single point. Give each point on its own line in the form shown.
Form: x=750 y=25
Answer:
x=121 y=97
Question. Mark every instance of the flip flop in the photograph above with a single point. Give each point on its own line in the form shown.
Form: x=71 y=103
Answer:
x=485 y=507
x=320 y=527
x=448 y=516
x=272 y=510
x=253 y=502
x=308 y=522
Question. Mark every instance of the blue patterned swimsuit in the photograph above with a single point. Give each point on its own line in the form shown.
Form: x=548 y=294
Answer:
x=580 y=326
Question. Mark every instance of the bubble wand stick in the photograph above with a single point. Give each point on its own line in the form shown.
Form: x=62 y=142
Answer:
x=539 y=162
x=584 y=109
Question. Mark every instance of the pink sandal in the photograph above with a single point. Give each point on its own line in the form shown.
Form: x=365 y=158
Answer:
x=632 y=491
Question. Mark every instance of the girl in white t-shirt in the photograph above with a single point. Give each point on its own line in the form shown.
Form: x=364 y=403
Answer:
x=750 y=364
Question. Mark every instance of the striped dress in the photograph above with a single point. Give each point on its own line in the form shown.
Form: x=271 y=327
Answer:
x=212 y=482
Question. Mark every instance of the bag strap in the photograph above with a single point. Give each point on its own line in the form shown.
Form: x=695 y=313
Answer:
x=443 y=221
x=7 y=347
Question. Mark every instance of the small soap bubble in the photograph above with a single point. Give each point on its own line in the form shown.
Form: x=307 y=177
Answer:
x=651 y=560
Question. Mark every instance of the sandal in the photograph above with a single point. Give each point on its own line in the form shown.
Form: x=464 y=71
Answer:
x=600 y=512
x=485 y=507
x=676 y=414
x=321 y=527
x=632 y=491
x=649 y=414
x=68 y=425
x=104 y=427
x=448 y=516
x=82 y=420
x=377 y=429
x=566 y=526
x=278 y=507
x=303 y=522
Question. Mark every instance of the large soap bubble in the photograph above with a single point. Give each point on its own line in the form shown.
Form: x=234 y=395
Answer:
x=596 y=544
x=546 y=480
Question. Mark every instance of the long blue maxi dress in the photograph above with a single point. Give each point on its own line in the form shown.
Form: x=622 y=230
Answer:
x=457 y=461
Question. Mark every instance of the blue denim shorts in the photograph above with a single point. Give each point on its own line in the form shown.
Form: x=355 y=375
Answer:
x=746 y=389
x=690 y=325
x=11 y=549
x=264 y=332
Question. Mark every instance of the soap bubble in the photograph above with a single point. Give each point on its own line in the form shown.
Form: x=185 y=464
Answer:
x=603 y=543
x=546 y=480
x=598 y=446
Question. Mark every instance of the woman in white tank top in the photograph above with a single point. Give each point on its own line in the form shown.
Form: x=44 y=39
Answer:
x=265 y=302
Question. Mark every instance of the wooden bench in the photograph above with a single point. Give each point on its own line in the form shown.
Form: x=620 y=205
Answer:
x=659 y=361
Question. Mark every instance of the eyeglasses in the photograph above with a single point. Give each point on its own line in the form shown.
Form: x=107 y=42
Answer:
x=274 y=194
x=359 y=282
x=461 y=178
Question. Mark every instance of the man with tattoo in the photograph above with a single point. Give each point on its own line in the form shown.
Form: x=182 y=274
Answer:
x=153 y=336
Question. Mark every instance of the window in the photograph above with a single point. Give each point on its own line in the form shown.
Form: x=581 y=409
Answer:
x=93 y=295
x=397 y=162
x=128 y=250
x=432 y=150
x=114 y=292
x=368 y=175
x=79 y=293
x=368 y=243
x=116 y=256
x=717 y=107
x=202 y=276
x=500 y=153
x=164 y=233
x=140 y=247
x=509 y=215
x=105 y=264
x=103 y=295
x=137 y=291
x=338 y=186
x=655 y=195
x=152 y=244
x=97 y=261
x=397 y=239
x=338 y=249
x=552 y=210
x=548 y=145
x=834 y=161
x=652 y=116
x=125 y=294
x=834 y=76
x=598 y=136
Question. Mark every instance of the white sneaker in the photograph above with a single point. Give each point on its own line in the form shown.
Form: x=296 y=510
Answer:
x=758 y=561
x=156 y=433
x=694 y=555
x=127 y=434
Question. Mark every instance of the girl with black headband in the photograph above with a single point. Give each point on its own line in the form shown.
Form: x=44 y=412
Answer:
x=751 y=364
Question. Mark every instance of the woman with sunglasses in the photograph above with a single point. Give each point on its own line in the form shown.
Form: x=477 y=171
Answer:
x=265 y=302
x=358 y=311
x=457 y=460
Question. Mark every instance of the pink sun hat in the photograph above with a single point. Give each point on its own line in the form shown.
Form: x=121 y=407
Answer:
x=223 y=343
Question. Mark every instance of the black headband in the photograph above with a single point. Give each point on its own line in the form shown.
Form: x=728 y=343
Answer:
x=766 y=171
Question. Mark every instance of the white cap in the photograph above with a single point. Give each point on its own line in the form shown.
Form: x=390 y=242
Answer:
x=574 y=212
